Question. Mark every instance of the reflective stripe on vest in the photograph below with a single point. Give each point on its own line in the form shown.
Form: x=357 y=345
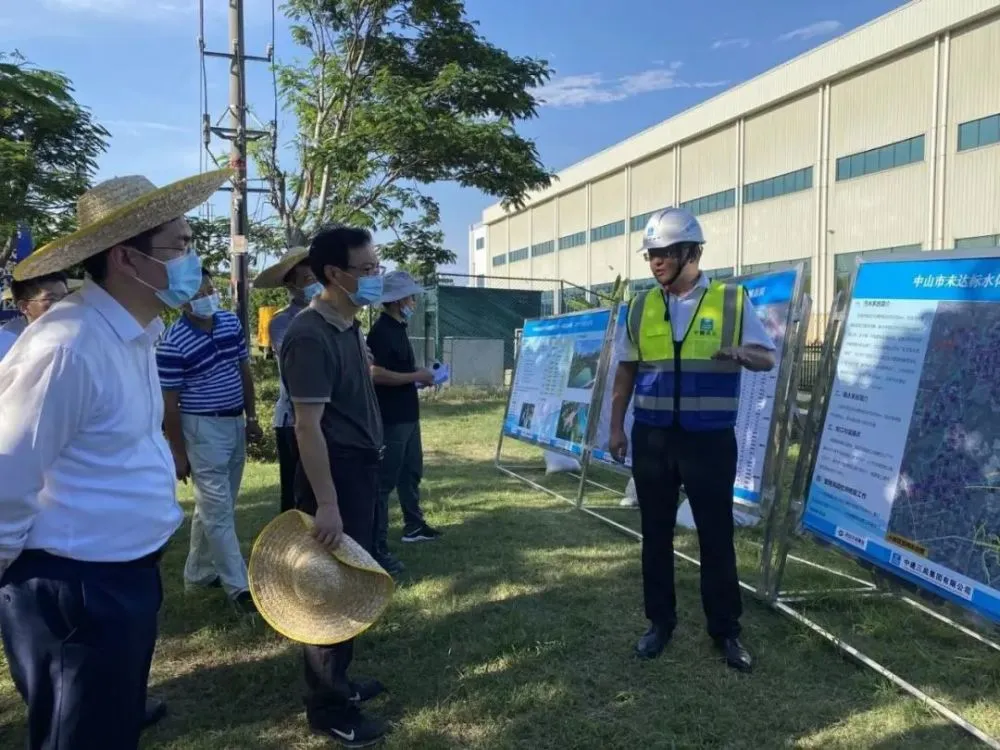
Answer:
x=684 y=379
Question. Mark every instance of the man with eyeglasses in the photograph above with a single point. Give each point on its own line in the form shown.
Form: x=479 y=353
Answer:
x=688 y=339
x=338 y=428
x=33 y=298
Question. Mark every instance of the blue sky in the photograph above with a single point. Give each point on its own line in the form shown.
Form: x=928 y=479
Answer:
x=621 y=66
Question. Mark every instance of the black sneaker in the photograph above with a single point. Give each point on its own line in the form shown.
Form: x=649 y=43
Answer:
x=351 y=729
x=424 y=534
x=363 y=691
x=243 y=603
x=390 y=564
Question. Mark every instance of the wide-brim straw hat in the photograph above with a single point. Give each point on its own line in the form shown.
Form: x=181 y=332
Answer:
x=310 y=595
x=116 y=210
x=274 y=276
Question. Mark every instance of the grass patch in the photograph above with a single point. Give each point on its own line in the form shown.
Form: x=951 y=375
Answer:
x=516 y=629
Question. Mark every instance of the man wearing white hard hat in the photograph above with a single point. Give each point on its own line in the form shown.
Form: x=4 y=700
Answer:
x=293 y=273
x=396 y=377
x=87 y=501
x=688 y=340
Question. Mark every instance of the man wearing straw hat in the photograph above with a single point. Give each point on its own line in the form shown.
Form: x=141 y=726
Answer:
x=293 y=273
x=327 y=373
x=87 y=501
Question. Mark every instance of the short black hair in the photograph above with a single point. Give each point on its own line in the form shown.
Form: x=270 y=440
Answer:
x=332 y=247
x=96 y=266
x=24 y=290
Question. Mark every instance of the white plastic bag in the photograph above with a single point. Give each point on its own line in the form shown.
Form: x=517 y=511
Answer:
x=631 y=500
x=557 y=462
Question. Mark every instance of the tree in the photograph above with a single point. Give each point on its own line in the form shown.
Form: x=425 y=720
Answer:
x=395 y=95
x=211 y=237
x=49 y=145
x=619 y=293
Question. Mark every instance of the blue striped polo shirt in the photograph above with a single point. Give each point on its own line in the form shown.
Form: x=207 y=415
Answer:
x=204 y=366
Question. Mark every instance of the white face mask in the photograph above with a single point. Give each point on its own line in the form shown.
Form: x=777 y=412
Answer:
x=205 y=307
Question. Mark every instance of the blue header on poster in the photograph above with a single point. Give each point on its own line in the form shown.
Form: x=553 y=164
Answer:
x=944 y=280
x=594 y=321
x=771 y=288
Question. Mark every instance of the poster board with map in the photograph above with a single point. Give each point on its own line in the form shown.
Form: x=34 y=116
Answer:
x=775 y=296
x=907 y=469
x=557 y=370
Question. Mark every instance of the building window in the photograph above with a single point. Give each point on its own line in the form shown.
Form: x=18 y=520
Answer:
x=779 y=265
x=499 y=260
x=606 y=232
x=717 y=273
x=638 y=223
x=572 y=240
x=481 y=281
x=982 y=132
x=793 y=182
x=480 y=243
x=710 y=203
x=548 y=304
x=880 y=159
x=515 y=255
x=641 y=285
x=844 y=264
x=542 y=248
x=972 y=243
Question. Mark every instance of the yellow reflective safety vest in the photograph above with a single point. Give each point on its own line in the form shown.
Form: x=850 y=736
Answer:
x=678 y=382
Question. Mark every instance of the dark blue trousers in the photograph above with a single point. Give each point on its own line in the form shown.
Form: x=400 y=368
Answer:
x=79 y=639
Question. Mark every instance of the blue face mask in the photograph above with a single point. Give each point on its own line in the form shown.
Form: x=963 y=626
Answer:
x=205 y=307
x=407 y=312
x=369 y=291
x=183 y=279
x=312 y=290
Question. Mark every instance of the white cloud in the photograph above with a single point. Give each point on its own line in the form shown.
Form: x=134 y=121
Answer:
x=820 y=28
x=741 y=42
x=594 y=88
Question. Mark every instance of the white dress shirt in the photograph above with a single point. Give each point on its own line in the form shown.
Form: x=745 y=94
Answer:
x=85 y=471
x=683 y=306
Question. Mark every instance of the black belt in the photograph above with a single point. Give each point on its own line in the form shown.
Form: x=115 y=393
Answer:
x=146 y=561
x=224 y=413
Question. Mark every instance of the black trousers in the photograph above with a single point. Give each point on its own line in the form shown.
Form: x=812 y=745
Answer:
x=288 y=461
x=355 y=477
x=705 y=463
x=402 y=470
x=79 y=639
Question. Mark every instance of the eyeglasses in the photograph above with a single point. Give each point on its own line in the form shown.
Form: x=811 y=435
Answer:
x=369 y=270
x=665 y=253
x=47 y=299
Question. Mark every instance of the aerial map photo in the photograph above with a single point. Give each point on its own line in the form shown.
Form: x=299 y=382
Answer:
x=947 y=502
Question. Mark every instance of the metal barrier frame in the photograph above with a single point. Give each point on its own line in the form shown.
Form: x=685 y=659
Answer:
x=791 y=529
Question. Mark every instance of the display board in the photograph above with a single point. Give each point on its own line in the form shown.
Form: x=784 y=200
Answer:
x=553 y=382
x=907 y=471
x=772 y=297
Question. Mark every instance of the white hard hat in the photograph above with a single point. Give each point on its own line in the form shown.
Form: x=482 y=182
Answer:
x=669 y=227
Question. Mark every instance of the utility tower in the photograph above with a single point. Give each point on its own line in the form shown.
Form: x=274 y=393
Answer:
x=238 y=135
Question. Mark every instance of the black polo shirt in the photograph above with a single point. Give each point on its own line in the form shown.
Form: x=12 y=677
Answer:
x=323 y=361
x=392 y=351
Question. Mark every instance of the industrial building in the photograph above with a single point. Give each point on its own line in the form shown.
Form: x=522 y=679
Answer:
x=886 y=138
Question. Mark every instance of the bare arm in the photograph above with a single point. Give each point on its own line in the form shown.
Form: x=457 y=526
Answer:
x=249 y=393
x=313 y=452
x=756 y=358
x=382 y=376
x=621 y=393
x=172 y=424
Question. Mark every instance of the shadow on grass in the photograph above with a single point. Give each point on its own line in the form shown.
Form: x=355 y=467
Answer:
x=515 y=630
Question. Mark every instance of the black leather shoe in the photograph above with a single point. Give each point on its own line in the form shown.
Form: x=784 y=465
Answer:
x=653 y=642
x=736 y=656
x=156 y=709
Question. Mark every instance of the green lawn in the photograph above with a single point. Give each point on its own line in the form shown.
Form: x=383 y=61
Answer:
x=516 y=629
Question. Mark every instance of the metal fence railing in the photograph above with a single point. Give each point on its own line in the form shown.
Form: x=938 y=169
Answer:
x=809 y=367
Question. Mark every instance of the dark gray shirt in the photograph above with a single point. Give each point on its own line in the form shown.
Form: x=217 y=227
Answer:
x=324 y=361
